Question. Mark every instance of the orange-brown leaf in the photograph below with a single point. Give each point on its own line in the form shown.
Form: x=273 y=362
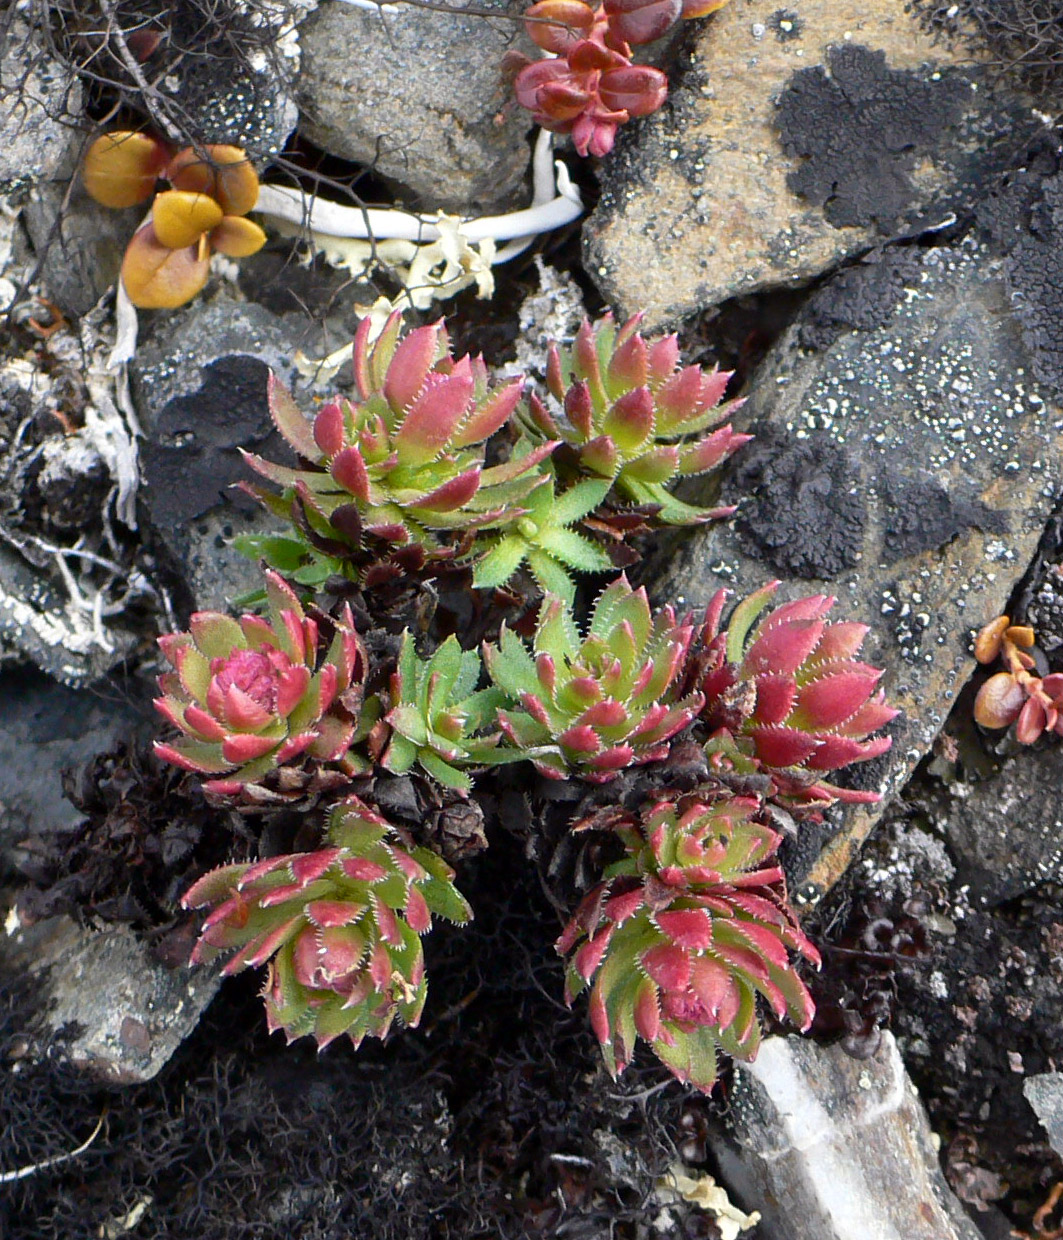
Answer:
x=158 y=278
x=121 y=168
x=223 y=172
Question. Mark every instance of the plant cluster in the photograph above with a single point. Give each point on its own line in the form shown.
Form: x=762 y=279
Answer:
x=691 y=924
x=1027 y=693
x=587 y=85
x=212 y=188
x=398 y=481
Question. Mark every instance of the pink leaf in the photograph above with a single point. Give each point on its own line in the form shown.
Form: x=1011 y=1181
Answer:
x=667 y=965
x=690 y=928
x=412 y=360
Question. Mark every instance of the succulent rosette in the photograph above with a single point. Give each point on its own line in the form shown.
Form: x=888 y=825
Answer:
x=437 y=712
x=340 y=927
x=591 y=706
x=630 y=413
x=405 y=461
x=791 y=692
x=684 y=933
x=253 y=694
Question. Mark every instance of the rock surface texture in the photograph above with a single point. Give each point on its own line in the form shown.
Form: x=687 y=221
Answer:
x=909 y=469
x=423 y=102
x=831 y=1148
x=129 y=1013
x=39 y=100
x=792 y=140
x=201 y=389
x=48 y=728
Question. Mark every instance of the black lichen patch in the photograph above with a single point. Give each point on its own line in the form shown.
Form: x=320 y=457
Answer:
x=1025 y=219
x=860 y=130
x=923 y=515
x=192 y=457
x=806 y=514
x=861 y=297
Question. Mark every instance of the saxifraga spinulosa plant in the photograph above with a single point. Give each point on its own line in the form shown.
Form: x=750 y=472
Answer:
x=684 y=933
x=437 y=713
x=590 y=706
x=339 y=928
x=253 y=697
x=404 y=462
x=791 y=693
x=629 y=413
x=692 y=923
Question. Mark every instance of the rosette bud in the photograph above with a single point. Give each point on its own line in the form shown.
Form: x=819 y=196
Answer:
x=791 y=692
x=252 y=695
x=339 y=928
x=684 y=933
x=595 y=705
x=629 y=413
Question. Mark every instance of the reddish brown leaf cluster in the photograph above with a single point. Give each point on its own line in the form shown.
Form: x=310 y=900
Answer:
x=1026 y=694
x=588 y=86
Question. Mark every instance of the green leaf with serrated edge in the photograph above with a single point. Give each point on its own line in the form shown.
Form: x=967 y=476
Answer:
x=348 y=831
x=499 y=563
x=445 y=665
x=317 y=573
x=400 y=754
x=743 y=618
x=468 y=677
x=575 y=550
x=447 y=775
x=510 y=666
x=286 y=555
x=728 y=1038
x=578 y=501
x=556 y=633
x=551 y=577
x=206 y=756
x=444 y=900
x=409 y=722
x=482 y=707
x=623 y=1024
x=216 y=636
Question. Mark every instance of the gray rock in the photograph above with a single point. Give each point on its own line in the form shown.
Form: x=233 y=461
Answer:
x=785 y=148
x=130 y=1013
x=40 y=102
x=37 y=623
x=78 y=243
x=832 y=1148
x=201 y=391
x=423 y=101
x=1005 y=840
x=909 y=469
x=47 y=729
x=1045 y=1094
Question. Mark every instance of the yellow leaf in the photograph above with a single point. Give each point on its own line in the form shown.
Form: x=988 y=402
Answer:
x=237 y=237
x=181 y=217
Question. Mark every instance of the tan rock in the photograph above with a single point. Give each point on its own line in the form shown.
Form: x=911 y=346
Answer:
x=696 y=207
